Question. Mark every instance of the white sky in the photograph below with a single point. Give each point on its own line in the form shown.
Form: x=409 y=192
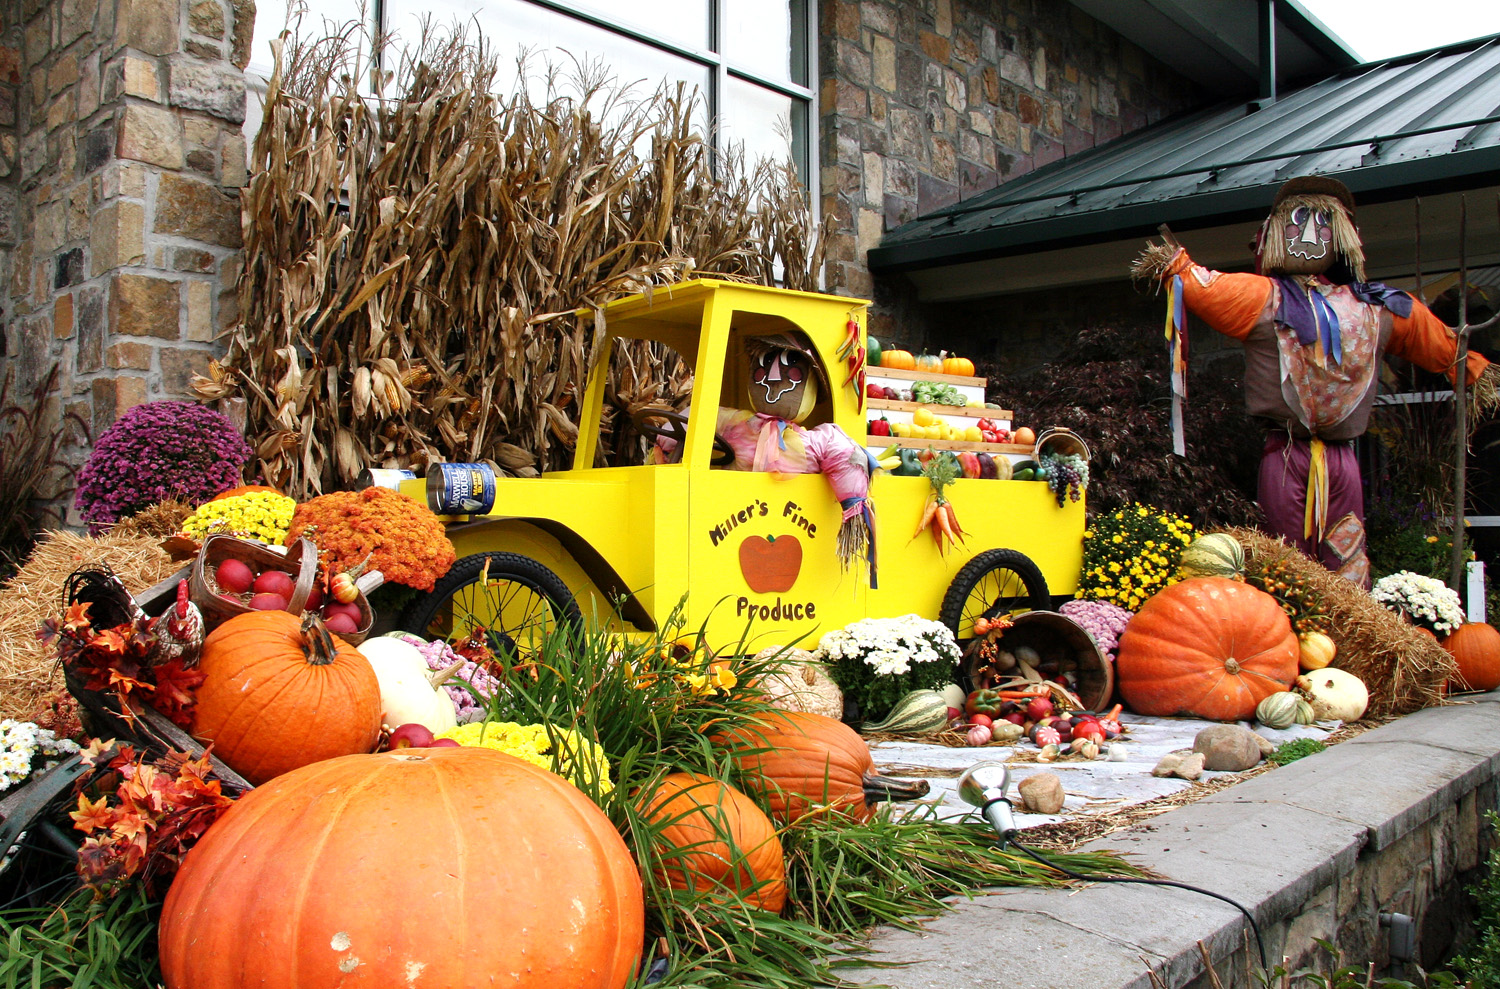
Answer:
x=1378 y=29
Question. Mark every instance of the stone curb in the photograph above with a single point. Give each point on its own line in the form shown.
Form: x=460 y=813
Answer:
x=1305 y=840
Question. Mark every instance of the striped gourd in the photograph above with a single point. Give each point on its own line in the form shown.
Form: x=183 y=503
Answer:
x=1217 y=554
x=1279 y=710
x=921 y=712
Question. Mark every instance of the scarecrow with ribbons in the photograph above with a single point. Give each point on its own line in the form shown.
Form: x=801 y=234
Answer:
x=1314 y=333
x=785 y=378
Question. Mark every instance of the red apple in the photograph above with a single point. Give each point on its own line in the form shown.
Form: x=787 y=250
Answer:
x=410 y=736
x=275 y=582
x=350 y=611
x=981 y=719
x=1039 y=708
x=314 y=598
x=341 y=623
x=445 y=743
x=234 y=576
x=1016 y=718
x=268 y=602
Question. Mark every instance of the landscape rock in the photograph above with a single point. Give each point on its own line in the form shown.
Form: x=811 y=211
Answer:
x=1042 y=793
x=1228 y=748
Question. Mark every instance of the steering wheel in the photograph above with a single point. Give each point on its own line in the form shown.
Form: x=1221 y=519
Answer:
x=724 y=454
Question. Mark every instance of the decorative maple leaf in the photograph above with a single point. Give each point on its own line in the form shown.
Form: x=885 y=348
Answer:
x=174 y=691
x=92 y=815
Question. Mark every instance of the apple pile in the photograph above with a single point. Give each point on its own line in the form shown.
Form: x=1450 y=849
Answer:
x=272 y=589
x=415 y=736
x=1042 y=722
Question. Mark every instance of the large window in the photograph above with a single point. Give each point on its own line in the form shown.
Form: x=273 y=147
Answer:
x=751 y=59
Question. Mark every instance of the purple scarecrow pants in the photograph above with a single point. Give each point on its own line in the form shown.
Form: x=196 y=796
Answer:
x=1283 y=497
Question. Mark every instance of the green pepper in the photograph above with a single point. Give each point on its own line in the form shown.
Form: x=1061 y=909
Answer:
x=984 y=701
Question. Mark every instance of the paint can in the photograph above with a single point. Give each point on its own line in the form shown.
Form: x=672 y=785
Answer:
x=382 y=477
x=460 y=489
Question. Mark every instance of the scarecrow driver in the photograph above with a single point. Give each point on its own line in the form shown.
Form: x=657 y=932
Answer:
x=785 y=377
x=1314 y=332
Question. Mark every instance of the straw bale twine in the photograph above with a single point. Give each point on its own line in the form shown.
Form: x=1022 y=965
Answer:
x=1403 y=669
x=27 y=668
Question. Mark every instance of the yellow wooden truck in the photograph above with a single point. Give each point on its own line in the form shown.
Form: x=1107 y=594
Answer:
x=622 y=540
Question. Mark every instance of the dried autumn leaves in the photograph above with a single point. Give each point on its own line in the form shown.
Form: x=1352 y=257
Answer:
x=413 y=263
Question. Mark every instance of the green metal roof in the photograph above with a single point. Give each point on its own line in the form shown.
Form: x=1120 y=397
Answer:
x=1428 y=122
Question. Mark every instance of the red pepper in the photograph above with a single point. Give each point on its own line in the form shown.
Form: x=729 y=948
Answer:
x=880 y=427
x=984 y=701
x=874 y=391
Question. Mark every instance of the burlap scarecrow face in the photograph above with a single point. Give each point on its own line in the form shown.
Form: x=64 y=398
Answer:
x=1310 y=230
x=783 y=378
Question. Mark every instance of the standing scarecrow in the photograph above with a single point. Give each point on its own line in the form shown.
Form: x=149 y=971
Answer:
x=1314 y=333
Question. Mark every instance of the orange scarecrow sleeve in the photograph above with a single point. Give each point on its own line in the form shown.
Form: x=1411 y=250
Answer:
x=1429 y=343
x=1230 y=303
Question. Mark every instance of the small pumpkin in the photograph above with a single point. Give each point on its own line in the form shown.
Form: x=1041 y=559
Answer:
x=1475 y=647
x=244 y=489
x=279 y=693
x=961 y=366
x=407 y=694
x=1334 y=694
x=1206 y=647
x=424 y=867
x=1278 y=710
x=798 y=763
x=1315 y=650
x=712 y=836
x=897 y=360
x=931 y=363
x=1217 y=554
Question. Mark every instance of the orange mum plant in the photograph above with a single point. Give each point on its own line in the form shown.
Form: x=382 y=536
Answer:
x=379 y=529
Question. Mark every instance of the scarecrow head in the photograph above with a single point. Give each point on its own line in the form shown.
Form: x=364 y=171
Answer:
x=1311 y=232
x=784 y=375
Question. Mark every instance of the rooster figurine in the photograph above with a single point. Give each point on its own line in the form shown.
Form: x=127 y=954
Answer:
x=179 y=631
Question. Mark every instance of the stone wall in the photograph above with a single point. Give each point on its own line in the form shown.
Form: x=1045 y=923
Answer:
x=929 y=102
x=119 y=215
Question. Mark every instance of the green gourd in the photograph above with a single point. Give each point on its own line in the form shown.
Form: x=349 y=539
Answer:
x=1217 y=554
x=921 y=712
x=1279 y=710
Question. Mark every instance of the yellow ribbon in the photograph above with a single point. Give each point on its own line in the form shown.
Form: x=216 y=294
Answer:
x=1316 y=517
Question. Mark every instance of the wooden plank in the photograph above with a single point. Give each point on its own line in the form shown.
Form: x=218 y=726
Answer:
x=952 y=379
x=941 y=410
x=881 y=442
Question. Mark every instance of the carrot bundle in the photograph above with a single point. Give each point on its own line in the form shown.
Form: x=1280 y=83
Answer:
x=938 y=516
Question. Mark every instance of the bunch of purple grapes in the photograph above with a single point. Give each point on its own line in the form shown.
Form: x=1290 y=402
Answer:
x=1067 y=475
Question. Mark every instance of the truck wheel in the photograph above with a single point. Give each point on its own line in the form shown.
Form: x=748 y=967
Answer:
x=513 y=601
x=996 y=582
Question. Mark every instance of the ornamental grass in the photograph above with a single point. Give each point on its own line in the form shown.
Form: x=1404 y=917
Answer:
x=414 y=262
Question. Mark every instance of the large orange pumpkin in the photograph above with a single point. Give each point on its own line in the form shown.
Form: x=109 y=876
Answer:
x=1207 y=647
x=961 y=366
x=280 y=693
x=423 y=867
x=1475 y=646
x=797 y=762
x=713 y=836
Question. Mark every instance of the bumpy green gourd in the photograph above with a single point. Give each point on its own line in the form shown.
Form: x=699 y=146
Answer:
x=1279 y=710
x=1217 y=554
x=921 y=712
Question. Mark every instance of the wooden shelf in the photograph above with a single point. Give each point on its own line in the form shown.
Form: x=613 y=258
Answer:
x=911 y=443
x=941 y=410
x=952 y=379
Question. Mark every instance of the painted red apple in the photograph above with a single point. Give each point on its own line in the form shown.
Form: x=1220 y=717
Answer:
x=770 y=565
x=341 y=623
x=234 y=576
x=410 y=736
x=350 y=611
x=275 y=582
x=267 y=601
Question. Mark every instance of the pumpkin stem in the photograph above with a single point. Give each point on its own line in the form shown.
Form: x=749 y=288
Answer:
x=439 y=677
x=878 y=788
x=1231 y=666
x=317 y=641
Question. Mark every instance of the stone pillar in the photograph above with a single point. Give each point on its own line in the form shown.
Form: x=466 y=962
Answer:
x=120 y=222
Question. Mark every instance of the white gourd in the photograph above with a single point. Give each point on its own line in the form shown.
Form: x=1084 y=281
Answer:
x=407 y=695
x=1334 y=694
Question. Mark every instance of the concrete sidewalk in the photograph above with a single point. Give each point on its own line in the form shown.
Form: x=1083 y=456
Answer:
x=1391 y=821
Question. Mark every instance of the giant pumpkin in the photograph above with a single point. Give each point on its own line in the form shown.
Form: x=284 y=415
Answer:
x=797 y=763
x=279 y=693
x=712 y=837
x=1207 y=647
x=1475 y=647
x=437 y=868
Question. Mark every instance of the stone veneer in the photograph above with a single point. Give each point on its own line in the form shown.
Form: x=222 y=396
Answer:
x=927 y=103
x=121 y=156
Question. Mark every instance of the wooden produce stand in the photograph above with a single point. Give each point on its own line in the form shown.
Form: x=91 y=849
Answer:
x=899 y=411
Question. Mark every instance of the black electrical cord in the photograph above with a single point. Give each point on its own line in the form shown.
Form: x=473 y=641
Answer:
x=1010 y=836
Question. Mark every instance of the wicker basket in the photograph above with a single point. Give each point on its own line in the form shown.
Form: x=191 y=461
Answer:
x=1056 y=439
x=1064 y=647
x=301 y=561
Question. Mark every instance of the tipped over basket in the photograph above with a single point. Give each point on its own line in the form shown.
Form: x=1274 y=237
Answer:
x=1057 y=648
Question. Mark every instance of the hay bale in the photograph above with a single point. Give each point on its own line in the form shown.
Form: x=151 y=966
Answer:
x=28 y=668
x=1403 y=669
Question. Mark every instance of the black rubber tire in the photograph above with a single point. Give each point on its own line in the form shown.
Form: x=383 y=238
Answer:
x=508 y=572
x=1012 y=574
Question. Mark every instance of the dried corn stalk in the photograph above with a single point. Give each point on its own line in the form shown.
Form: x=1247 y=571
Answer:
x=413 y=262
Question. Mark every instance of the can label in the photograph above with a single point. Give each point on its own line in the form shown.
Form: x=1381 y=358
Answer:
x=460 y=489
x=383 y=477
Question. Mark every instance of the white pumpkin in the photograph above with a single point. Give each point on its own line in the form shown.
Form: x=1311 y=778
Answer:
x=801 y=683
x=1334 y=694
x=407 y=695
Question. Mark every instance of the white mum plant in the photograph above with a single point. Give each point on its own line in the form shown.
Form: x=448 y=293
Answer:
x=1425 y=601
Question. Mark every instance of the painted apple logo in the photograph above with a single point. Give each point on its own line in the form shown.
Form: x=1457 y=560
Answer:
x=770 y=565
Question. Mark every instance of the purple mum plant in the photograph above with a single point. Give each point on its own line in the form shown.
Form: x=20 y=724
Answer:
x=156 y=452
x=1101 y=620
